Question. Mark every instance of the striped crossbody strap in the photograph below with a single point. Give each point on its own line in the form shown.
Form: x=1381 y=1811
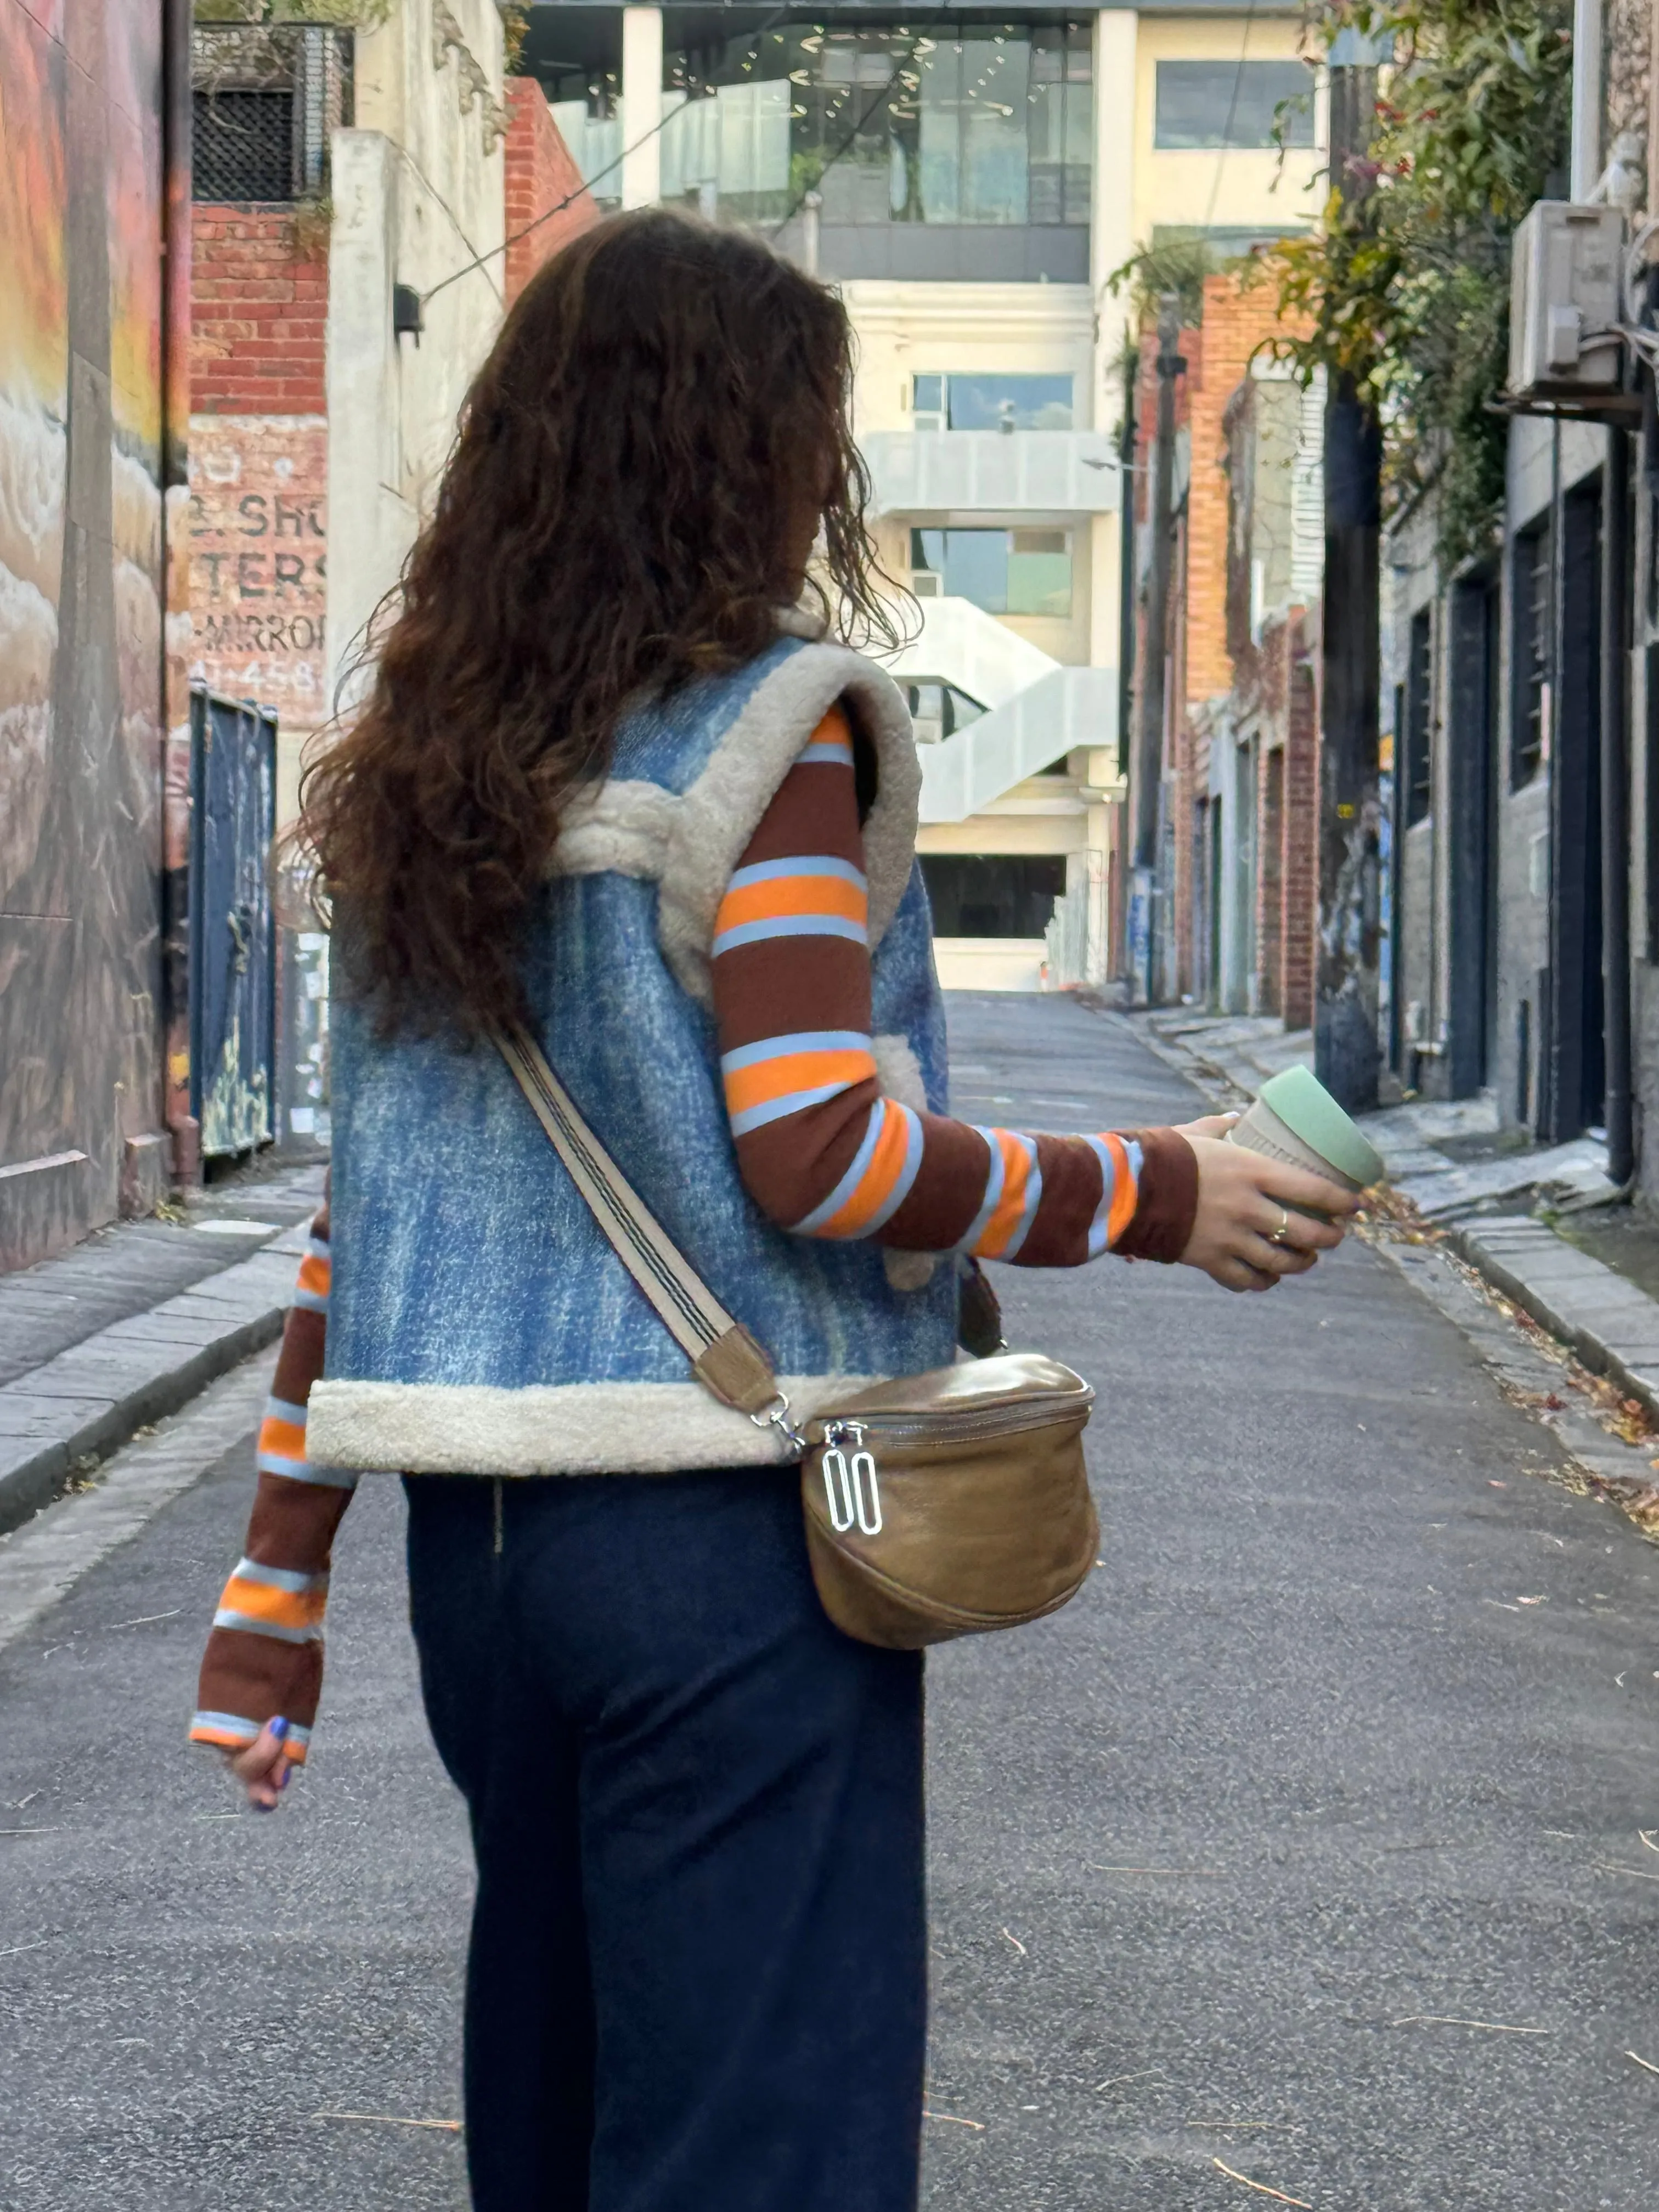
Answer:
x=725 y=1357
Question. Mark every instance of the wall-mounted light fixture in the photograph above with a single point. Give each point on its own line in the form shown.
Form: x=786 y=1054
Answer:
x=406 y=321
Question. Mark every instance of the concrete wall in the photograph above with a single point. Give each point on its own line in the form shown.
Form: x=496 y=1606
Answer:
x=418 y=193
x=81 y=603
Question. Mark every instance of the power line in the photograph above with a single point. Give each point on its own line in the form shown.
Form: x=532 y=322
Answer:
x=1227 y=146
x=588 y=183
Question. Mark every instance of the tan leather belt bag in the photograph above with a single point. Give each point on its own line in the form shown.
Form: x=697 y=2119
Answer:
x=942 y=1505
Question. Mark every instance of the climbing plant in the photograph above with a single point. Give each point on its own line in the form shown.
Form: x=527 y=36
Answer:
x=1404 y=282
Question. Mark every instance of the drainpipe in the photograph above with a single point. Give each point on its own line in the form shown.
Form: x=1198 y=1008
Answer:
x=1615 y=806
x=182 y=1125
x=1145 y=789
x=1125 y=575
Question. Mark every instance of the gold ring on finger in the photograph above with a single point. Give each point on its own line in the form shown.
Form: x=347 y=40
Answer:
x=1282 y=1233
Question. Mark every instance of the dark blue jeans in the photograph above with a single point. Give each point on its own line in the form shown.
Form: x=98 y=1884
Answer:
x=697 y=1976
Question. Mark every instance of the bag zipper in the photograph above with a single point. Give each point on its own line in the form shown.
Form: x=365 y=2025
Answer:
x=946 y=1428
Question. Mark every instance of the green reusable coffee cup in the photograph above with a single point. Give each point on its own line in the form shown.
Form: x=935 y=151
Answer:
x=1295 y=1119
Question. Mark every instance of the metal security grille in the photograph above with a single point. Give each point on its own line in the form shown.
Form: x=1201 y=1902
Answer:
x=266 y=98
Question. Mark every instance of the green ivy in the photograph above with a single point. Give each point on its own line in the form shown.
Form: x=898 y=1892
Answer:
x=1405 y=284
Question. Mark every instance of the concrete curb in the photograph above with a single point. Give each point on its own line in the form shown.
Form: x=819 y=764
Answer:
x=1608 y=1321
x=92 y=1399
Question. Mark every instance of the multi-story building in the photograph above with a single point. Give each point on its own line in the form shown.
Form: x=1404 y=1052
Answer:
x=971 y=182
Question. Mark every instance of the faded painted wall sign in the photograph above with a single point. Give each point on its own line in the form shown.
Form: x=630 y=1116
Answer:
x=258 y=549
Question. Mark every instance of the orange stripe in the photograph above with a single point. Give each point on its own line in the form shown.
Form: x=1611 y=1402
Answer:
x=1011 y=1206
x=295 y=1752
x=314 y=1274
x=281 y=1608
x=793 y=1070
x=833 y=729
x=1124 y=1194
x=287 y=1438
x=875 y=1185
x=789 y=894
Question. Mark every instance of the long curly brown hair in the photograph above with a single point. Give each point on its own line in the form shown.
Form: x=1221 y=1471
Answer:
x=639 y=468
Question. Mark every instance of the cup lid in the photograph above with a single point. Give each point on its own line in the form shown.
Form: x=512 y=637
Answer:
x=1304 y=1106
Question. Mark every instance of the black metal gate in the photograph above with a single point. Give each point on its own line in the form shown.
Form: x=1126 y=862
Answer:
x=232 y=964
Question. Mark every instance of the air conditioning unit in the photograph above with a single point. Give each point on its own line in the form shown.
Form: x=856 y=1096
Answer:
x=925 y=583
x=927 y=418
x=1564 y=301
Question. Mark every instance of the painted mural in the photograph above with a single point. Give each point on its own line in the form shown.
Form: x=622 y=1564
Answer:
x=80 y=582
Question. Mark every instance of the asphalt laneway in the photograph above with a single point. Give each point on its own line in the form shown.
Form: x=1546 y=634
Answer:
x=1349 y=1745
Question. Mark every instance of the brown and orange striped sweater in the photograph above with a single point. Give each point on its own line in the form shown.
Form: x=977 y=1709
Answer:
x=821 y=1150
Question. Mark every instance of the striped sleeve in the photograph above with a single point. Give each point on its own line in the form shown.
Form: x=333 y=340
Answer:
x=821 y=1150
x=264 y=1653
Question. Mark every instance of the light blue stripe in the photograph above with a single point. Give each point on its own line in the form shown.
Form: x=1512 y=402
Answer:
x=317 y=1247
x=825 y=751
x=242 y=1725
x=907 y=1175
x=226 y=1618
x=301 y=1470
x=282 y=1409
x=793 y=925
x=810 y=1222
x=777 y=1110
x=313 y=1301
x=281 y=1578
x=802 y=863
x=992 y=1192
x=1033 y=1199
x=783 y=1047
x=1108 y=1185
x=227 y=1721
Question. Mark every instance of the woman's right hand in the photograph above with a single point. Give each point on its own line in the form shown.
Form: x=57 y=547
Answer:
x=1245 y=1235
x=262 y=1767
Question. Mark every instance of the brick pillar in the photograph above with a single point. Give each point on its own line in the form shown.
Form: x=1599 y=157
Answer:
x=1301 y=875
x=1269 y=878
x=540 y=173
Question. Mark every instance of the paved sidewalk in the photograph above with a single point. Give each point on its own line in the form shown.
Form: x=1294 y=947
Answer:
x=103 y=1339
x=1608 y=1321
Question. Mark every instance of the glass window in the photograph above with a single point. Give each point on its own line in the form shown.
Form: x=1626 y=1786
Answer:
x=1532 y=654
x=1006 y=572
x=888 y=124
x=1234 y=103
x=1419 y=718
x=999 y=402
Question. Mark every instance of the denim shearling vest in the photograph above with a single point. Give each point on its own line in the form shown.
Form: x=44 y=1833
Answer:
x=479 y=1321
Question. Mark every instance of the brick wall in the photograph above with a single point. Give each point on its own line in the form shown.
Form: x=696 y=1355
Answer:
x=540 y=172
x=258 y=464
x=1237 y=320
x=1301 y=884
x=259 y=309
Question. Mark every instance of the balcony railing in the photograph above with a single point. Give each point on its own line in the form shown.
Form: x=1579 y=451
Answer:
x=993 y=472
x=267 y=97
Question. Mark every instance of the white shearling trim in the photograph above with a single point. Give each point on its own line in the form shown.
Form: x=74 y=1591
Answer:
x=899 y=1072
x=722 y=810
x=623 y=830
x=569 y=1428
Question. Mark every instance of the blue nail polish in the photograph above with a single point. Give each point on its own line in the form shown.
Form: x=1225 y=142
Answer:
x=278 y=1728
x=259 y=1808
x=284 y=1777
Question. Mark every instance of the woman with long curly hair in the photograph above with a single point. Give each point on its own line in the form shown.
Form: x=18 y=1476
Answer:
x=621 y=779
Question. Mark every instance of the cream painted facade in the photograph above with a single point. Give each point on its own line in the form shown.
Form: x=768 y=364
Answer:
x=905 y=329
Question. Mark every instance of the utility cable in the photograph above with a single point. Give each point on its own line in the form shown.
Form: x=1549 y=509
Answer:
x=869 y=109
x=588 y=183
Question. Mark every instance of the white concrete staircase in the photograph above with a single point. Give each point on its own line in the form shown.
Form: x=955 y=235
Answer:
x=1035 y=707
